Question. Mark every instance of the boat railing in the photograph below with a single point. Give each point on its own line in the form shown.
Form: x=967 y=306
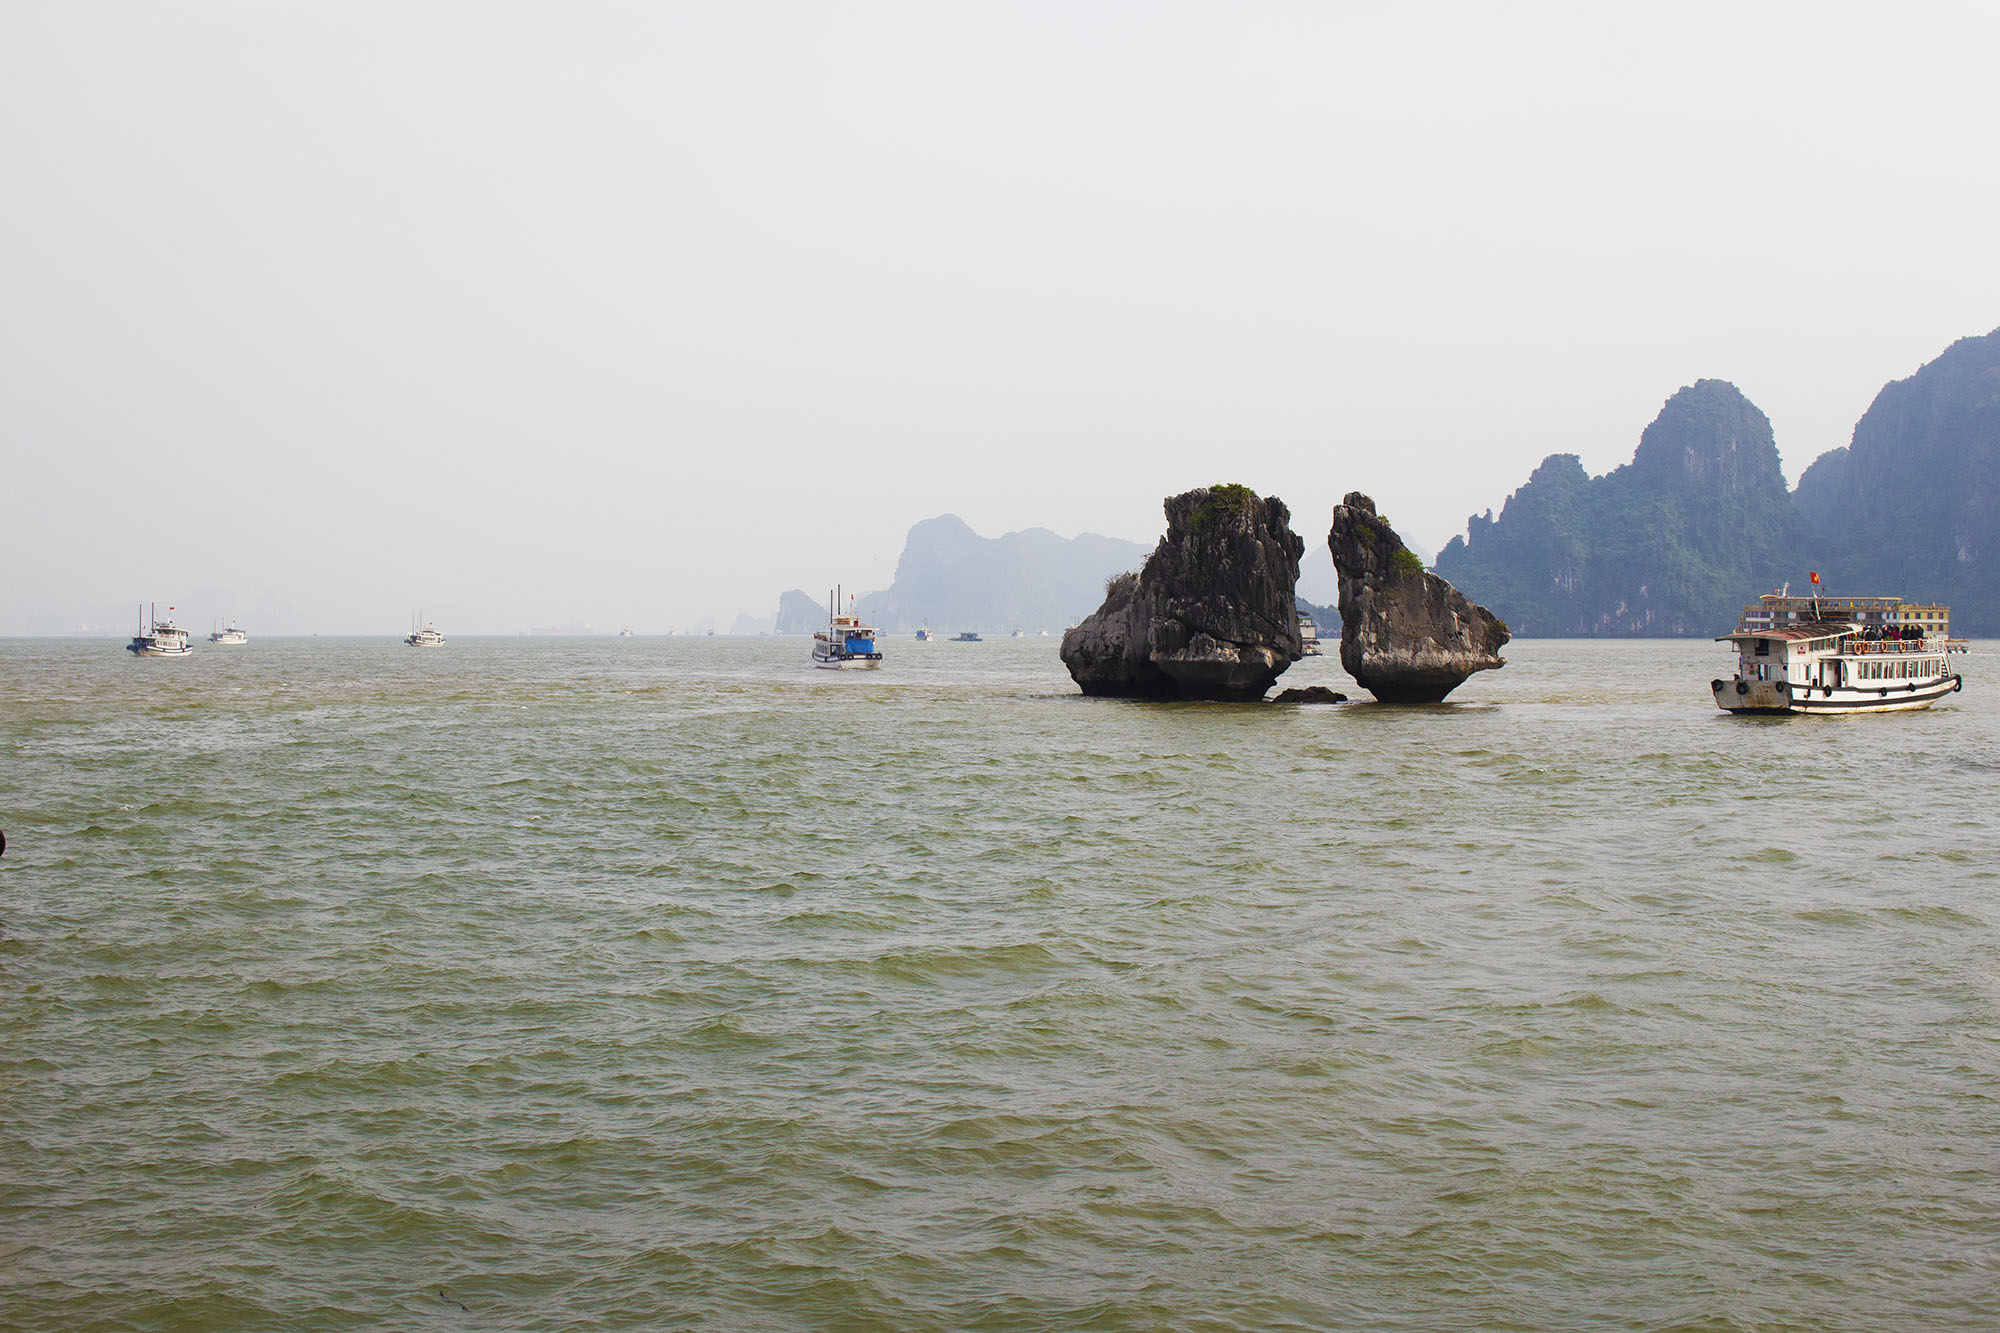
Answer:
x=1894 y=645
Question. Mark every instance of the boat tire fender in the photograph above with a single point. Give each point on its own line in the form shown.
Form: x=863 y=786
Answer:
x=1715 y=686
x=1957 y=684
x=1743 y=687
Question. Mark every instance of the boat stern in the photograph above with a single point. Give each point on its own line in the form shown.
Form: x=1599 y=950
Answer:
x=1752 y=696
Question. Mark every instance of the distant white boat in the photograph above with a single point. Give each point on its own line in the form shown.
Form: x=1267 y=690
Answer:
x=625 y=634
x=159 y=638
x=228 y=634
x=427 y=637
x=1308 y=634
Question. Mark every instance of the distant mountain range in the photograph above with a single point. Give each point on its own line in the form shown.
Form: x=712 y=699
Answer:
x=950 y=577
x=1912 y=506
x=1700 y=522
x=1671 y=544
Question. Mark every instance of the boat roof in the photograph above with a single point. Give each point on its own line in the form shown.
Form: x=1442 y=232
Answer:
x=1803 y=631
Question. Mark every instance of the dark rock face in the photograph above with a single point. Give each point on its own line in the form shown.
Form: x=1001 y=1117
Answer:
x=1311 y=694
x=1405 y=634
x=1211 y=616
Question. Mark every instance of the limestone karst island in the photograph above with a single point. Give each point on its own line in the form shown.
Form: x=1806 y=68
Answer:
x=1213 y=614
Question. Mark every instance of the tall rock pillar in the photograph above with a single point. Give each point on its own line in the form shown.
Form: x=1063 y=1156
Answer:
x=1405 y=634
x=1213 y=613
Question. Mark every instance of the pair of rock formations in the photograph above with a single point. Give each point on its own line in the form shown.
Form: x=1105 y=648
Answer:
x=1213 y=614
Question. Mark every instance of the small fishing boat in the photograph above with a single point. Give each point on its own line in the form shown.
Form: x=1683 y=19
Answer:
x=845 y=642
x=923 y=634
x=1815 y=654
x=159 y=638
x=427 y=637
x=228 y=634
x=966 y=636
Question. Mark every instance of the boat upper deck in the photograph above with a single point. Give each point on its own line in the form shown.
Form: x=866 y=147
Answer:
x=1809 y=631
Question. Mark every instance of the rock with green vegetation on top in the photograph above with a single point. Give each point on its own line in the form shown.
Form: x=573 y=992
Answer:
x=1210 y=616
x=1405 y=634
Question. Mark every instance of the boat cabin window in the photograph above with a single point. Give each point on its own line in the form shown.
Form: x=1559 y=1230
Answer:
x=1763 y=647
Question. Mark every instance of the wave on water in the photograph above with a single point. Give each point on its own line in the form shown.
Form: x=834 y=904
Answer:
x=663 y=984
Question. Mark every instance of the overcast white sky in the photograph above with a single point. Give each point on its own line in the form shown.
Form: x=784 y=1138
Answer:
x=638 y=314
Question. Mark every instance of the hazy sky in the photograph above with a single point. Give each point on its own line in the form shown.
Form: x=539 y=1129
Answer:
x=638 y=314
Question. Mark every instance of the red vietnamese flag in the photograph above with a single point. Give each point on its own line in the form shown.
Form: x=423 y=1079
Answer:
x=1815 y=576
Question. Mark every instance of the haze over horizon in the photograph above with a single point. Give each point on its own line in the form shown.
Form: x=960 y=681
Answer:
x=625 y=315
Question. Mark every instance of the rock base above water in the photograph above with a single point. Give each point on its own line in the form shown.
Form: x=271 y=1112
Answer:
x=1311 y=694
x=1210 y=616
x=1405 y=634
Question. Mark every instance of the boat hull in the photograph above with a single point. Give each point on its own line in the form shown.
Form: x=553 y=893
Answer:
x=150 y=650
x=836 y=660
x=1776 y=698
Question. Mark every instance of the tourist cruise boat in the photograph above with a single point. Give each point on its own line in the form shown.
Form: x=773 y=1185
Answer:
x=845 y=642
x=1817 y=654
x=159 y=638
x=228 y=634
x=1309 y=634
x=427 y=637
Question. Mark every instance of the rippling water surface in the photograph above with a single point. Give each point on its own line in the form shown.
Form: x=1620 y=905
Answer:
x=662 y=983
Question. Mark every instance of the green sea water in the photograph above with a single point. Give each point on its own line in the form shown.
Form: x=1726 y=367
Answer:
x=531 y=984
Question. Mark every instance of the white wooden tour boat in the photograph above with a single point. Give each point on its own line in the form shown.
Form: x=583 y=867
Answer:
x=1816 y=654
x=159 y=638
